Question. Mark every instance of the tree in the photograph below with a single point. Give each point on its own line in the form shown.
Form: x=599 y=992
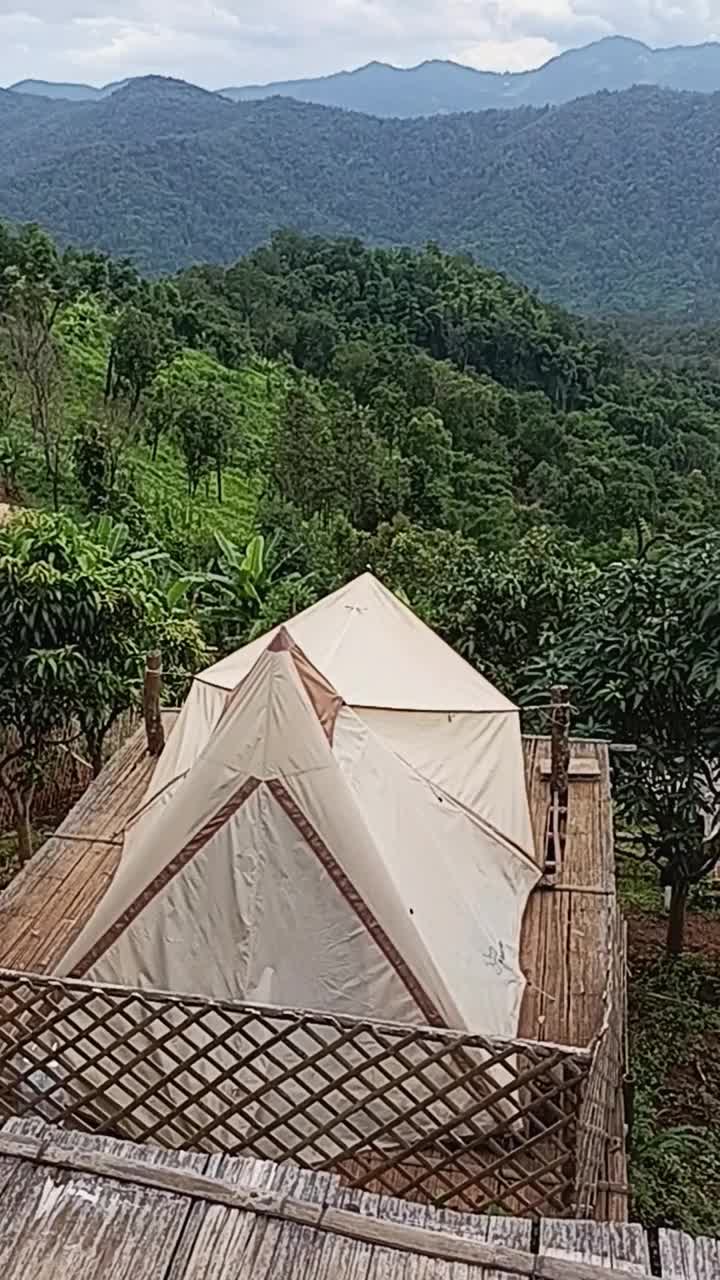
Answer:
x=426 y=447
x=78 y=613
x=500 y=610
x=33 y=304
x=99 y=448
x=203 y=424
x=642 y=659
x=232 y=592
x=10 y=447
x=161 y=407
x=90 y=464
x=302 y=464
x=142 y=341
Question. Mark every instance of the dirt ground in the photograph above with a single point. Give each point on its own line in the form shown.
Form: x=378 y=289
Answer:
x=646 y=937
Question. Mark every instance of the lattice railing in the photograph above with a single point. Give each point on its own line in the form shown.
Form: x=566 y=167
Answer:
x=423 y=1113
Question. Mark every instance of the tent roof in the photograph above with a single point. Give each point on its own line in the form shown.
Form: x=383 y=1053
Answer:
x=377 y=653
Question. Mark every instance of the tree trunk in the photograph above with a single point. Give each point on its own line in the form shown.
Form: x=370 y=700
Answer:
x=676 y=918
x=22 y=802
x=218 y=476
x=95 y=743
x=155 y=443
x=109 y=373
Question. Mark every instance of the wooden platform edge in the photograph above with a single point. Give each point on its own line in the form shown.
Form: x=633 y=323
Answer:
x=422 y=1241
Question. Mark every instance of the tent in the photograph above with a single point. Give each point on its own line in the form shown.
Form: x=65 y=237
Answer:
x=301 y=862
x=412 y=689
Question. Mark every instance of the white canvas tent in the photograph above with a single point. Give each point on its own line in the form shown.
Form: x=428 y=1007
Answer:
x=302 y=863
x=411 y=688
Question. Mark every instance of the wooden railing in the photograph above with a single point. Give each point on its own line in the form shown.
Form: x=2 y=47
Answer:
x=423 y=1113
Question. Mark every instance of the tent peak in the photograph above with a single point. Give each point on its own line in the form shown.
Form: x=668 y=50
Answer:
x=282 y=641
x=323 y=697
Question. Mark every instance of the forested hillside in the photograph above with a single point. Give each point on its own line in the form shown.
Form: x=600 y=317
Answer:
x=523 y=418
x=604 y=204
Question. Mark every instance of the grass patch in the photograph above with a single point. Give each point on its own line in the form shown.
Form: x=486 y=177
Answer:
x=638 y=885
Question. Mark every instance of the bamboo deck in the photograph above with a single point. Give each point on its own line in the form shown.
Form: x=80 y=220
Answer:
x=46 y=905
x=564 y=951
x=565 y=933
x=76 y=1207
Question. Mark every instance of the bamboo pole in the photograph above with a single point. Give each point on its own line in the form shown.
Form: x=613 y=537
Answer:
x=559 y=771
x=151 y=704
x=560 y=737
x=421 y=1241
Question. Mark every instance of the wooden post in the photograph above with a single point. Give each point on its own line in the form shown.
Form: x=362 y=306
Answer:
x=151 y=704
x=559 y=772
x=560 y=737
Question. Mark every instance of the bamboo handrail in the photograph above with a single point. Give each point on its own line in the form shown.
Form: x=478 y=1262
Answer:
x=349 y=1223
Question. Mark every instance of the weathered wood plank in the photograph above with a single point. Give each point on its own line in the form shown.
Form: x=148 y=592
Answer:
x=618 y=1246
x=284 y=1227
x=215 y=1237
x=330 y=1257
x=682 y=1258
x=67 y=1224
x=629 y=1250
x=274 y=1247
x=575 y=1241
x=386 y=1264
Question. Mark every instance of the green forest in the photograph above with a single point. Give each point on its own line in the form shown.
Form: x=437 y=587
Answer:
x=605 y=203
x=197 y=457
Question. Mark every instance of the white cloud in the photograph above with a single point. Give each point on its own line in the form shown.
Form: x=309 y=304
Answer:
x=509 y=55
x=217 y=42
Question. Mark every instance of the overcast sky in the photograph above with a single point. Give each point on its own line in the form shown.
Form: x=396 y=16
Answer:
x=224 y=42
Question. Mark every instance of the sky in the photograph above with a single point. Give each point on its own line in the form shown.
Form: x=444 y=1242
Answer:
x=218 y=43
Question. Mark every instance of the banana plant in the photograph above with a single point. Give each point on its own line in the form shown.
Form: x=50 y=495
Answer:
x=233 y=591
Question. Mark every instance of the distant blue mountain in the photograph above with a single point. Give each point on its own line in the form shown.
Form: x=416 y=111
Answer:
x=435 y=88
x=68 y=92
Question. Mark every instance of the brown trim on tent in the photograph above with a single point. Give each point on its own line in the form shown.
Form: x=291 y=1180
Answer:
x=326 y=702
x=168 y=873
x=358 y=904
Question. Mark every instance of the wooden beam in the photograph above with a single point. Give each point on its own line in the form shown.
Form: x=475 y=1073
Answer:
x=348 y=1223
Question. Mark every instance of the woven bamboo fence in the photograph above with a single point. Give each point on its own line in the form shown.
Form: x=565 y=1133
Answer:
x=423 y=1113
x=601 y=1171
x=67 y=775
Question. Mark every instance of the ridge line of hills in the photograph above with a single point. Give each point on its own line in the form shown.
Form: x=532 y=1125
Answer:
x=442 y=86
x=606 y=203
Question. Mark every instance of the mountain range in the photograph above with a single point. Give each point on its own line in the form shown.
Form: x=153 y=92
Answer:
x=614 y=63
x=610 y=202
